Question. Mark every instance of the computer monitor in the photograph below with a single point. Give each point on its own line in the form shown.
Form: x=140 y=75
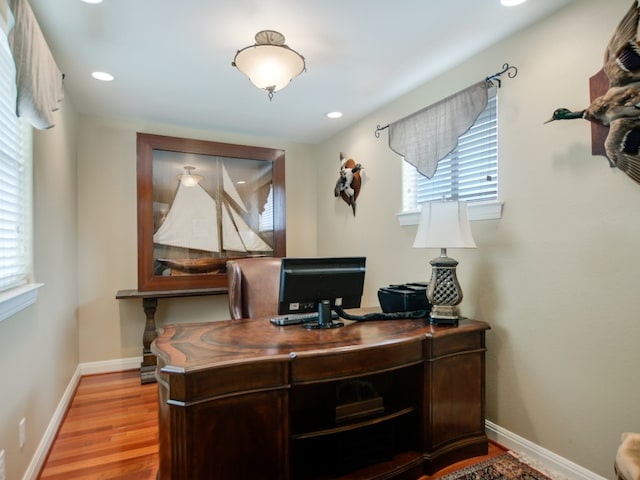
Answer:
x=319 y=285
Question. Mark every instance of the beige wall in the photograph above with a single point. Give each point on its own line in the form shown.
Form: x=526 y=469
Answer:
x=39 y=346
x=556 y=277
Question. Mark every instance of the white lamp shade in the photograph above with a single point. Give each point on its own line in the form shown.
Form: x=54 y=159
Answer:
x=269 y=66
x=444 y=225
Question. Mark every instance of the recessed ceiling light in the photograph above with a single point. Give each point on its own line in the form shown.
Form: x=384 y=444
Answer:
x=333 y=114
x=92 y=1
x=511 y=3
x=105 y=77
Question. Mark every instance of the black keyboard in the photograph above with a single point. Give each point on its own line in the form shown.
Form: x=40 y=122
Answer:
x=299 y=318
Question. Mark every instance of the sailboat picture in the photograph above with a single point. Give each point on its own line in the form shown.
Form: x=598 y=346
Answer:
x=209 y=220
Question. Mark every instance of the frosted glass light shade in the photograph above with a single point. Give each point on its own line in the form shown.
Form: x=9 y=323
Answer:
x=188 y=179
x=269 y=64
x=444 y=225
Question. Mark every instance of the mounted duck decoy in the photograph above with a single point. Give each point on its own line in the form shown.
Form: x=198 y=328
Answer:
x=619 y=107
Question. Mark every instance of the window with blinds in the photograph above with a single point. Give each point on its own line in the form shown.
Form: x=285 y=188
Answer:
x=15 y=189
x=265 y=222
x=469 y=172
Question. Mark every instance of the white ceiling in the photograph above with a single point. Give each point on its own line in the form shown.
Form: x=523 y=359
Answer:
x=172 y=59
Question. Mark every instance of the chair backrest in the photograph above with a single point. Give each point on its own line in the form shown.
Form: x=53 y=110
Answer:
x=254 y=283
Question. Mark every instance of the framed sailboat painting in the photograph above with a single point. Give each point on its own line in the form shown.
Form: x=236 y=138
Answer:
x=201 y=203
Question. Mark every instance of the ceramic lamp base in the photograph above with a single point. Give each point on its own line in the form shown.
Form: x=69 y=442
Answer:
x=443 y=315
x=444 y=291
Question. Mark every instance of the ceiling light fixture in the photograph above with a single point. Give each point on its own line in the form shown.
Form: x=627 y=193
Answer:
x=333 y=114
x=511 y=3
x=92 y=1
x=269 y=63
x=188 y=179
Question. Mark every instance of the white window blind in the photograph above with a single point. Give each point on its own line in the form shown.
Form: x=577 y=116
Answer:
x=266 y=218
x=15 y=190
x=469 y=172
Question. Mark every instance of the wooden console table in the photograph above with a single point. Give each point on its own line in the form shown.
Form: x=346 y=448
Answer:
x=149 y=305
x=375 y=400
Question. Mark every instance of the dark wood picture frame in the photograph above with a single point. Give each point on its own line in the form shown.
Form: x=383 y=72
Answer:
x=151 y=150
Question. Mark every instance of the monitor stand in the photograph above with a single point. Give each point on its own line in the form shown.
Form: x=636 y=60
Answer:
x=324 y=318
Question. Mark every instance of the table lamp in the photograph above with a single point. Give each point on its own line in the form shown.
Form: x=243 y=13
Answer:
x=444 y=225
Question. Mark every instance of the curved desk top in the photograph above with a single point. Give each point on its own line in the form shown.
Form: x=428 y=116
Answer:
x=187 y=348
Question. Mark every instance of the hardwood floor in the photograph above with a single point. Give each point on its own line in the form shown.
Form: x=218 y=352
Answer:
x=111 y=432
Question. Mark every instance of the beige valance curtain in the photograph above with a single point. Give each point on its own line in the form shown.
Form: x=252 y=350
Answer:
x=428 y=135
x=38 y=79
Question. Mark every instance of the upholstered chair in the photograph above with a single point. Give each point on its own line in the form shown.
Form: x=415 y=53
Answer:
x=253 y=286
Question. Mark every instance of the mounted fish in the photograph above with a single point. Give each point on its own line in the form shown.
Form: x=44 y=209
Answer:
x=619 y=107
x=349 y=182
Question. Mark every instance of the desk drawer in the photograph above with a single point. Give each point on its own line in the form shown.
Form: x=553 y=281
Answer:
x=225 y=380
x=447 y=345
x=309 y=367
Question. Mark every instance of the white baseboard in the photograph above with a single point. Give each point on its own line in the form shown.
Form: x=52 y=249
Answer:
x=89 y=368
x=40 y=455
x=108 y=366
x=549 y=463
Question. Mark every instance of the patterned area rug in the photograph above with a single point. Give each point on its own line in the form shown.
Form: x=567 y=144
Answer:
x=502 y=467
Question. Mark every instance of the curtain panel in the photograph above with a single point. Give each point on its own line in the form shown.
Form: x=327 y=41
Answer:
x=38 y=79
x=428 y=135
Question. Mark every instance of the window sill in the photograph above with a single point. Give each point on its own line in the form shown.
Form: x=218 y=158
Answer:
x=17 y=299
x=477 y=211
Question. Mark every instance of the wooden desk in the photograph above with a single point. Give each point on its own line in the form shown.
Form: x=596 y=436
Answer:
x=149 y=305
x=246 y=399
